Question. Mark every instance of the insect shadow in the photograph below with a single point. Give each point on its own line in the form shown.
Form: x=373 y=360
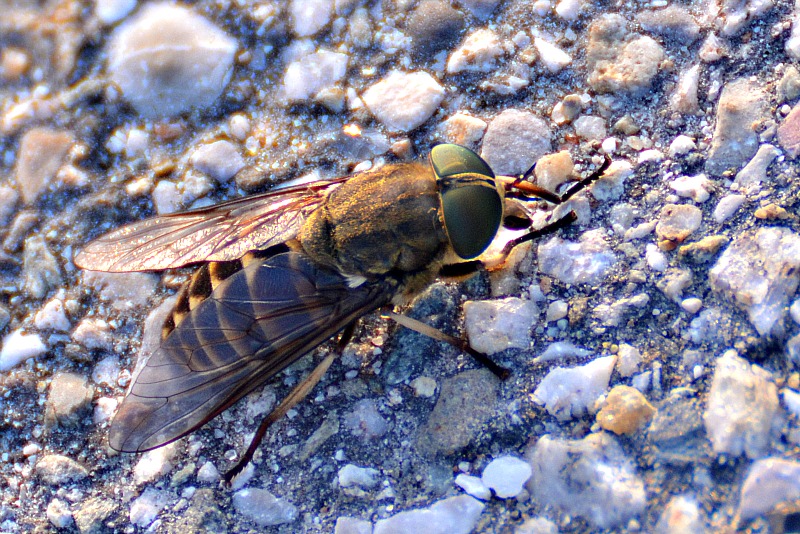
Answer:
x=284 y=271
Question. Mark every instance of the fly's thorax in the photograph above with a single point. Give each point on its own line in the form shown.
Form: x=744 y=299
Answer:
x=382 y=222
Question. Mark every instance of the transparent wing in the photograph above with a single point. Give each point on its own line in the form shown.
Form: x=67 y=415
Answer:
x=222 y=232
x=252 y=326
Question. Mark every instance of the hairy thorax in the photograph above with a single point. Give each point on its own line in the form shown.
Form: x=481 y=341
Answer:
x=385 y=222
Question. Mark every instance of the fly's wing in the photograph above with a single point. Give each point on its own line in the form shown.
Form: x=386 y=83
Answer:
x=252 y=326
x=222 y=232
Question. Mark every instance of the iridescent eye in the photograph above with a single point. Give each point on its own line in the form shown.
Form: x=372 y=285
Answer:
x=472 y=206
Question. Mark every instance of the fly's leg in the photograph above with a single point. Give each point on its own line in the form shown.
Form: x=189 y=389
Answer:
x=295 y=396
x=418 y=326
x=521 y=185
x=554 y=226
x=521 y=189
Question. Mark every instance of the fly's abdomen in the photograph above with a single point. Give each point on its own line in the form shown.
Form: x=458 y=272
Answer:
x=252 y=324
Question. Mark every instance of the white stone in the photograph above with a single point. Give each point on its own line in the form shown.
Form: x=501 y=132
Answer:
x=362 y=477
x=52 y=317
x=478 y=53
x=473 y=486
x=629 y=358
x=755 y=171
x=758 y=272
x=769 y=482
x=691 y=305
x=93 y=334
x=794 y=311
x=656 y=259
x=742 y=413
x=569 y=9
x=791 y=399
x=423 y=386
x=111 y=11
x=309 y=16
x=506 y=476
x=104 y=409
x=208 y=473
x=454 y=515
x=106 y=371
x=571 y=392
x=584 y=262
x=18 y=346
x=682 y=514
x=220 y=160
x=166 y=197
x=727 y=206
x=552 y=57
x=404 y=100
x=168 y=59
x=58 y=514
x=154 y=464
x=263 y=508
x=590 y=127
x=496 y=325
x=146 y=507
x=590 y=478
x=556 y=310
x=611 y=185
x=682 y=144
x=559 y=350
x=694 y=187
x=684 y=98
x=308 y=75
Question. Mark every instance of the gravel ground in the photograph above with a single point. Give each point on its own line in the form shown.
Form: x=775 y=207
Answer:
x=654 y=344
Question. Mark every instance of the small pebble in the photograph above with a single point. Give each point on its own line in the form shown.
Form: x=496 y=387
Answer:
x=361 y=477
x=587 y=261
x=694 y=187
x=560 y=350
x=365 y=421
x=94 y=334
x=552 y=57
x=629 y=358
x=756 y=272
x=18 y=347
x=691 y=305
x=506 y=476
x=52 y=317
x=625 y=411
x=220 y=160
x=308 y=17
x=478 y=53
x=676 y=223
x=591 y=478
x=741 y=106
x=567 y=393
x=146 y=507
x=454 y=515
x=59 y=515
x=496 y=325
x=742 y=413
x=68 y=396
x=727 y=206
x=682 y=514
x=514 y=141
x=681 y=145
x=305 y=77
x=404 y=100
x=423 y=386
x=769 y=482
x=263 y=508
x=473 y=486
x=155 y=464
x=58 y=470
x=167 y=59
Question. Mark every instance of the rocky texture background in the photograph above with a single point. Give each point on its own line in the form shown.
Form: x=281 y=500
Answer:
x=654 y=344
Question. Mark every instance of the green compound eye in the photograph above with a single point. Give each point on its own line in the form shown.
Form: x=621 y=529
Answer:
x=472 y=206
